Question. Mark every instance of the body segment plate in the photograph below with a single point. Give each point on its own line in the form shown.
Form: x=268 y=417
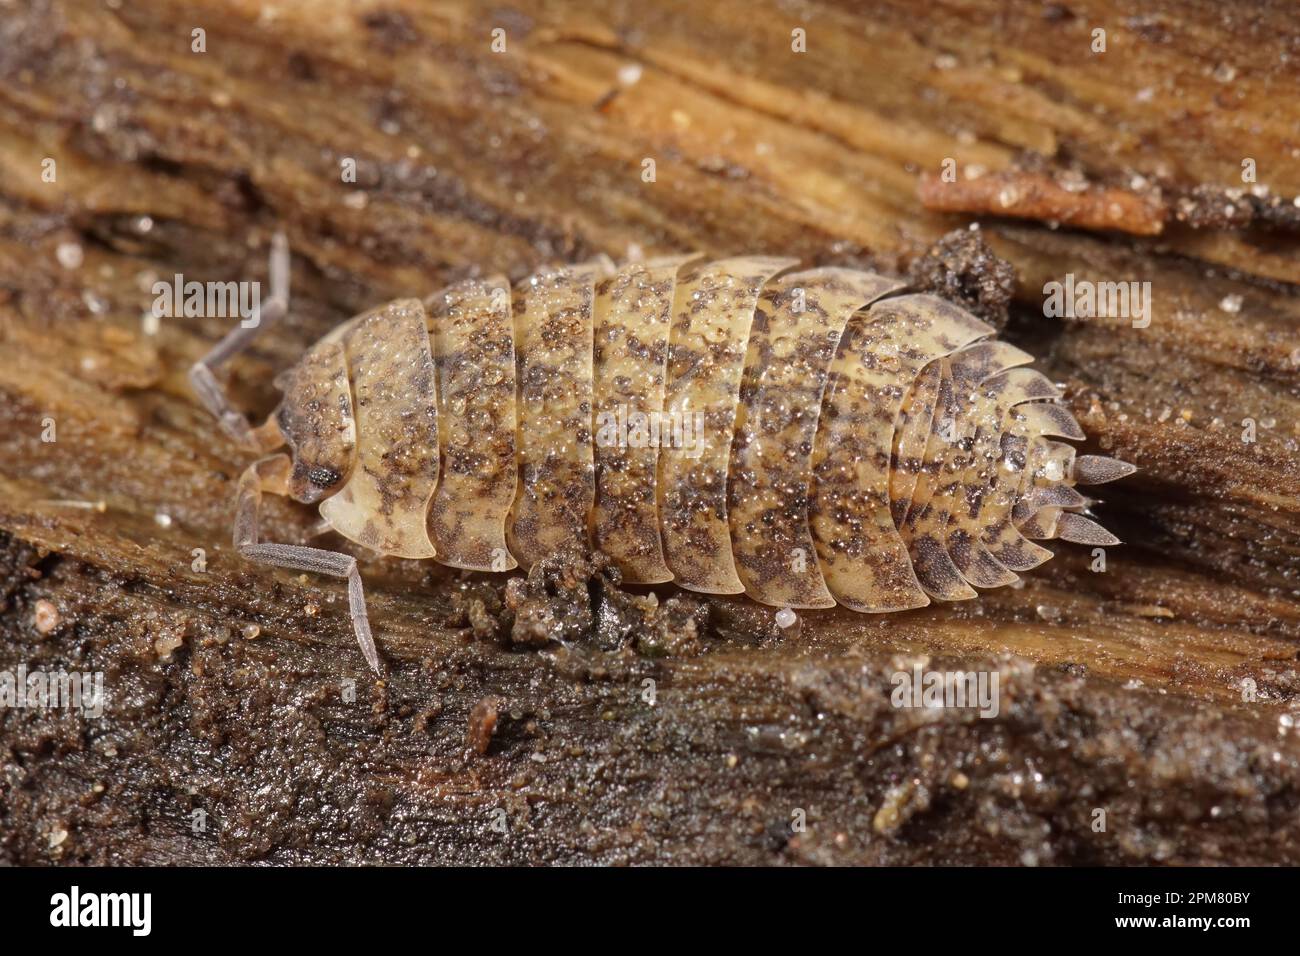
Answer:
x=713 y=308
x=553 y=349
x=384 y=505
x=883 y=351
x=632 y=319
x=473 y=348
x=797 y=327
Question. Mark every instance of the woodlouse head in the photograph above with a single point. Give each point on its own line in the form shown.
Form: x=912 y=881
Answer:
x=316 y=420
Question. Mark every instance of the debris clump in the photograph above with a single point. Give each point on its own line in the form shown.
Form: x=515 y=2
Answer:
x=962 y=268
x=576 y=597
x=482 y=723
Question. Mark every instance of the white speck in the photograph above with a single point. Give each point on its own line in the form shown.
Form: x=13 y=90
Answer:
x=1145 y=95
x=1230 y=303
x=103 y=119
x=70 y=255
x=1225 y=72
x=45 y=616
x=143 y=224
x=150 y=323
x=163 y=519
x=57 y=836
x=945 y=61
x=356 y=200
x=94 y=302
x=630 y=74
x=786 y=618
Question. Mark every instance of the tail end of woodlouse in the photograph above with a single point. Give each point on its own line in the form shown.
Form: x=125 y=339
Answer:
x=1091 y=470
x=1049 y=506
x=1098 y=469
x=1074 y=527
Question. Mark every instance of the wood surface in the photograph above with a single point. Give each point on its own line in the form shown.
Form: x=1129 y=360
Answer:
x=238 y=691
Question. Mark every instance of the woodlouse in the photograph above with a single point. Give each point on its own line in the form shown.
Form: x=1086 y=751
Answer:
x=858 y=443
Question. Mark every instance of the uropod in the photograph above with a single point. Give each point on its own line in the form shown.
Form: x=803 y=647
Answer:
x=806 y=437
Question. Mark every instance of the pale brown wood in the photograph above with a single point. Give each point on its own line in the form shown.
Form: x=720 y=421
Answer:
x=229 y=687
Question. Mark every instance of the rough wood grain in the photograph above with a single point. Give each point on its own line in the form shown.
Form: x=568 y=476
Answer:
x=1121 y=690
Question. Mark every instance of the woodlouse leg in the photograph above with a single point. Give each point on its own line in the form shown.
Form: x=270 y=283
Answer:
x=210 y=392
x=271 y=474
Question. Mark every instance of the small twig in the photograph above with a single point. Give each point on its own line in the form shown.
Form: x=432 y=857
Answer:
x=1029 y=195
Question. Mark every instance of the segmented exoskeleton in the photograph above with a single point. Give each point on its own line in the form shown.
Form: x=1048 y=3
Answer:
x=805 y=437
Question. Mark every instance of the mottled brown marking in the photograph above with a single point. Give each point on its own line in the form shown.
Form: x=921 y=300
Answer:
x=881 y=355
x=713 y=311
x=630 y=356
x=988 y=409
x=553 y=355
x=471 y=330
x=770 y=476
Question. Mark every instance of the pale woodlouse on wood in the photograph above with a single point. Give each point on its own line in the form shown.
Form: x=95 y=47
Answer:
x=861 y=444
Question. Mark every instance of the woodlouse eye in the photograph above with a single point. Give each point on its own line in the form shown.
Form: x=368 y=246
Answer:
x=323 y=477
